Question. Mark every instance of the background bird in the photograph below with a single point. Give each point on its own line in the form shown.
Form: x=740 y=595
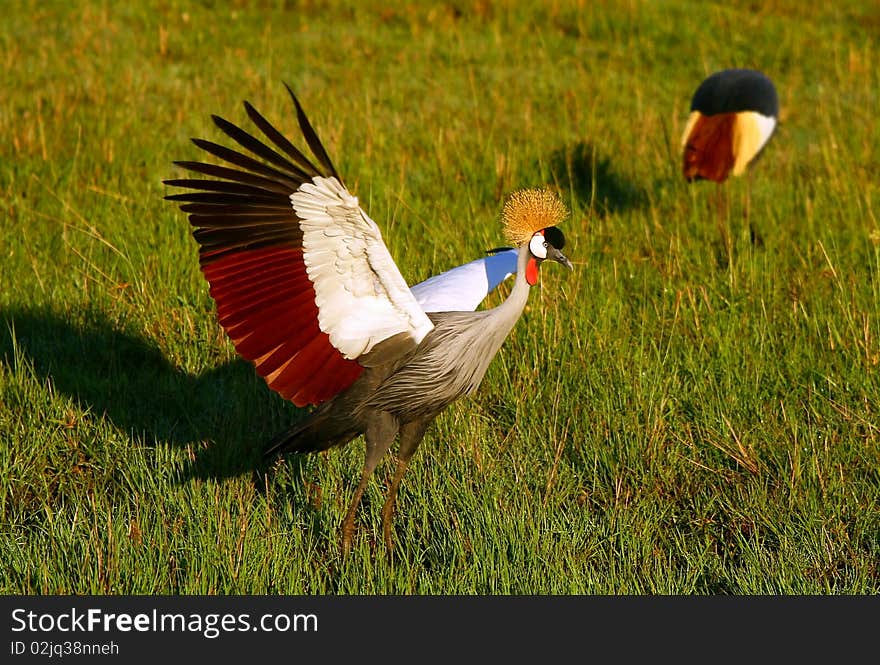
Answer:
x=306 y=290
x=733 y=114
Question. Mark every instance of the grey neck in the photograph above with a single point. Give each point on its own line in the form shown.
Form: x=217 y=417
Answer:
x=508 y=312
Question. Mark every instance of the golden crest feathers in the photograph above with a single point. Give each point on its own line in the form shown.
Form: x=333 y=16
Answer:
x=527 y=211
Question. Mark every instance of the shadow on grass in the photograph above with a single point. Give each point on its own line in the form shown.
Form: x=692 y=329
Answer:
x=126 y=379
x=592 y=179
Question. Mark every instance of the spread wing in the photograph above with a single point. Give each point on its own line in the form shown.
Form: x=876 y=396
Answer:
x=304 y=285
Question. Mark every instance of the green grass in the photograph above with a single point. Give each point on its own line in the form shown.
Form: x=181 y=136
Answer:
x=693 y=410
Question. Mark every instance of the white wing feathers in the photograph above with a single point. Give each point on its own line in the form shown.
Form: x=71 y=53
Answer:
x=751 y=133
x=462 y=289
x=361 y=296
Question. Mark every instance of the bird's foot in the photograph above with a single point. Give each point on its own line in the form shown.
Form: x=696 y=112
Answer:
x=388 y=516
x=347 y=534
x=386 y=530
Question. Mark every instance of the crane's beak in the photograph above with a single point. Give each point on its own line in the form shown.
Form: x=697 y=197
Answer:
x=556 y=255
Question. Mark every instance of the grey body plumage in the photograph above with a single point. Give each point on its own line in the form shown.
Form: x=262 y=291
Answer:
x=405 y=395
x=449 y=363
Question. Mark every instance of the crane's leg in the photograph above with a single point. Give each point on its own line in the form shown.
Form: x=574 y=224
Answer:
x=748 y=206
x=722 y=217
x=411 y=436
x=754 y=232
x=380 y=433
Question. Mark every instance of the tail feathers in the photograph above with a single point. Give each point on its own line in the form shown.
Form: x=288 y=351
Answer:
x=317 y=432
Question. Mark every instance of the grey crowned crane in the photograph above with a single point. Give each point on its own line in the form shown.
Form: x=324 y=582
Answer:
x=308 y=292
x=733 y=114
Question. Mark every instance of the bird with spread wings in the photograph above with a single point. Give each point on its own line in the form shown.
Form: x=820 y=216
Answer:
x=307 y=291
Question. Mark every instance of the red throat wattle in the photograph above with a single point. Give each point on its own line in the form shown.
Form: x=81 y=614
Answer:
x=532 y=271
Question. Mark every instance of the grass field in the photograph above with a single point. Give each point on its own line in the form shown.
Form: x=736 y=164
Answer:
x=693 y=410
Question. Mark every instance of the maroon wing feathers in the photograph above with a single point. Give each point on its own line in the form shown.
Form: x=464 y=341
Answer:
x=708 y=151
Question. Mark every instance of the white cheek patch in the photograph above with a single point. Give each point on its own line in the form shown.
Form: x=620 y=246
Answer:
x=538 y=246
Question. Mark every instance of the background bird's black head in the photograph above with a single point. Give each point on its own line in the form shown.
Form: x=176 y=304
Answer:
x=735 y=91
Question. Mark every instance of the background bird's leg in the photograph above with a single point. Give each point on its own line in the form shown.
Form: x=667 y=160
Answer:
x=722 y=203
x=722 y=220
x=748 y=206
x=754 y=233
x=411 y=435
x=380 y=433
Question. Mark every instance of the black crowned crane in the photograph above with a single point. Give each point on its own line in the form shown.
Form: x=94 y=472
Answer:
x=733 y=115
x=307 y=291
